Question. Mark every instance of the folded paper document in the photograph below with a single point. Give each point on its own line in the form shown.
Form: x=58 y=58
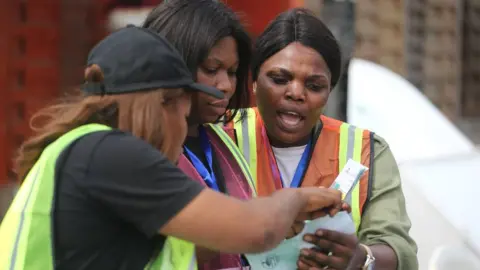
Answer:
x=285 y=256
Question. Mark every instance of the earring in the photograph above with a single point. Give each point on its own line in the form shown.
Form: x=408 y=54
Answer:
x=254 y=87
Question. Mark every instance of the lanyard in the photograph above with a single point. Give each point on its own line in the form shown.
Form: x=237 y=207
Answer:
x=301 y=167
x=208 y=175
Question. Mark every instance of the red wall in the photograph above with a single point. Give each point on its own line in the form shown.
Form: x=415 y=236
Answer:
x=43 y=46
x=258 y=13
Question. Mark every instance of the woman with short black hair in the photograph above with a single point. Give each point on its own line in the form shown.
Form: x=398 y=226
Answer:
x=295 y=66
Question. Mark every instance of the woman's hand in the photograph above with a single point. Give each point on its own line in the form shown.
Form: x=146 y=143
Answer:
x=320 y=198
x=297 y=227
x=344 y=249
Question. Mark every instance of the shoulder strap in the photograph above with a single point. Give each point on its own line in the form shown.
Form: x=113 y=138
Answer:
x=236 y=154
x=246 y=134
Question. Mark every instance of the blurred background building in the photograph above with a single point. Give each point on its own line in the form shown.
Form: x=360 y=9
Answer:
x=435 y=44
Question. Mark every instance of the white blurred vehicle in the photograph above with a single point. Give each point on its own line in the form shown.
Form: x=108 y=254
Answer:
x=440 y=167
x=121 y=17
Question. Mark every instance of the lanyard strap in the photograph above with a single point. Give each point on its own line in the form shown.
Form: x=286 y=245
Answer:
x=301 y=167
x=208 y=175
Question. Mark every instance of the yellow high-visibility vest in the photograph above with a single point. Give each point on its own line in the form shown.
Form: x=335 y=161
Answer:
x=26 y=230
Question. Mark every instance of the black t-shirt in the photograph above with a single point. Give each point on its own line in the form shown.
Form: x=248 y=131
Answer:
x=194 y=145
x=113 y=192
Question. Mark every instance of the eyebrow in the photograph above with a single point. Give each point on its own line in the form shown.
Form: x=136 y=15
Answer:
x=287 y=72
x=218 y=61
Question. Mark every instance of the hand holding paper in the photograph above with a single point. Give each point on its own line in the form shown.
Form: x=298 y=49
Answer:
x=343 y=248
x=286 y=255
x=320 y=199
x=299 y=224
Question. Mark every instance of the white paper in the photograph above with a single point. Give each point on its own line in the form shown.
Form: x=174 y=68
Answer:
x=349 y=176
x=285 y=256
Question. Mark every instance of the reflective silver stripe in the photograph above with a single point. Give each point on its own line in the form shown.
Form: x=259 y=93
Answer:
x=193 y=263
x=350 y=148
x=22 y=218
x=246 y=138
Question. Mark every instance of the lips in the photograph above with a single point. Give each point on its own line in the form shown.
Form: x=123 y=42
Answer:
x=289 y=120
x=218 y=107
x=222 y=103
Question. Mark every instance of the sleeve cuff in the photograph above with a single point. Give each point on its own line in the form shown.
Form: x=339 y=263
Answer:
x=152 y=225
x=406 y=256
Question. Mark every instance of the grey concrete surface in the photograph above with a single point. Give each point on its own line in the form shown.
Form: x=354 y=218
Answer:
x=471 y=128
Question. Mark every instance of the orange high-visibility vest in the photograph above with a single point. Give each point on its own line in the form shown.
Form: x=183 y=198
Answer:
x=336 y=143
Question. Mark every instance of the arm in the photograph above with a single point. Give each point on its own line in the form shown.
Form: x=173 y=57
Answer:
x=263 y=222
x=139 y=185
x=385 y=223
x=384 y=227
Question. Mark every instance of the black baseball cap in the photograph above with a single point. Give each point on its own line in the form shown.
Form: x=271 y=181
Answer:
x=136 y=59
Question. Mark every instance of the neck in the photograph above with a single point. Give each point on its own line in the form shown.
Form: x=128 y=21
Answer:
x=279 y=144
x=192 y=131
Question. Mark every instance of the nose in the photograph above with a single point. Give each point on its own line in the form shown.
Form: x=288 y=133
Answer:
x=225 y=84
x=296 y=92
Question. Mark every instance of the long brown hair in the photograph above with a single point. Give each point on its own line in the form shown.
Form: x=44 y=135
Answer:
x=145 y=114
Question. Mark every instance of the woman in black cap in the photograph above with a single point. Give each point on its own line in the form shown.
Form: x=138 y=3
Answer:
x=96 y=192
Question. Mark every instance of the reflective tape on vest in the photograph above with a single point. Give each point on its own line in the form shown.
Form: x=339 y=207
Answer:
x=244 y=166
x=247 y=141
x=26 y=230
x=350 y=147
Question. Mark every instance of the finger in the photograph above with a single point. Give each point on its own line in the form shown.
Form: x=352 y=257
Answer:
x=330 y=261
x=314 y=257
x=297 y=227
x=334 y=196
x=302 y=217
x=304 y=263
x=317 y=249
x=348 y=240
x=343 y=206
x=308 y=258
x=336 y=193
x=334 y=210
x=335 y=248
x=346 y=207
x=318 y=214
x=312 y=239
x=291 y=233
x=335 y=262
